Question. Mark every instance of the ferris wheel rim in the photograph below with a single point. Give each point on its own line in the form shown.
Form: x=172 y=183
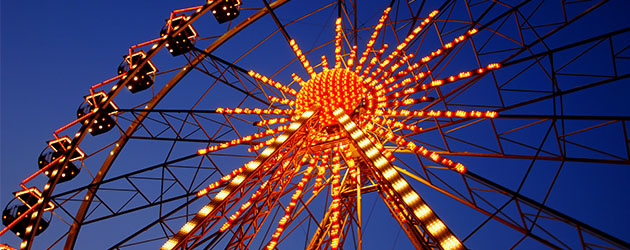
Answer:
x=76 y=226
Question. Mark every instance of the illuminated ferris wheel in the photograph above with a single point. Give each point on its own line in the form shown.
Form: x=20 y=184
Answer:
x=343 y=125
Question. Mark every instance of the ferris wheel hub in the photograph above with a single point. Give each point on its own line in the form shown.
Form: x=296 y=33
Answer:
x=331 y=89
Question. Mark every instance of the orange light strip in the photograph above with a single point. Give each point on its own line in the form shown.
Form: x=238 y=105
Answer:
x=256 y=111
x=335 y=228
x=432 y=224
x=396 y=204
x=302 y=58
x=223 y=180
x=353 y=56
x=273 y=83
x=287 y=211
x=440 y=82
x=337 y=43
x=276 y=120
x=281 y=100
x=388 y=154
x=370 y=44
x=187 y=9
x=262 y=144
x=374 y=60
x=327 y=138
x=448 y=46
x=383 y=102
x=298 y=79
x=395 y=124
x=433 y=113
x=255 y=196
x=228 y=177
x=321 y=169
x=400 y=48
x=418 y=77
x=324 y=63
x=252 y=199
x=248 y=138
x=396 y=77
x=352 y=168
x=433 y=54
x=372 y=82
x=435 y=157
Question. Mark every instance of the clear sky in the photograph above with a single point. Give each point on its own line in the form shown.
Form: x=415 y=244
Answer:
x=52 y=52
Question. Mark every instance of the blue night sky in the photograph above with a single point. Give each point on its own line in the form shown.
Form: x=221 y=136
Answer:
x=53 y=51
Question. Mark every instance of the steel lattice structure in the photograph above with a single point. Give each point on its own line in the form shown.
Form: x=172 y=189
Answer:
x=267 y=134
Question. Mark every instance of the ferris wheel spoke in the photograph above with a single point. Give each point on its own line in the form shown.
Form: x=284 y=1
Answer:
x=508 y=137
x=140 y=185
x=254 y=168
x=600 y=38
x=331 y=230
x=138 y=120
x=254 y=219
x=547 y=214
x=389 y=177
x=239 y=73
x=523 y=48
x=407 y=223
x=196 y=131
x=195 y=123
x=538 y=220
x=162 y=219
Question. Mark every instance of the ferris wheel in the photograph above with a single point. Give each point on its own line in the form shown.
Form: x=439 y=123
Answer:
x=344 y=125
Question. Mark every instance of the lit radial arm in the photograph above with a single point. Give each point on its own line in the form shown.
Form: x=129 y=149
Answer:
x=272 y=83
x=245 y=139
x=440 y=82
x=275 y=120
x=302 y=58
x=399 y=49
x=337 y=43
x=180 y=239
x=281 y=100
x=387 y=76
x=262 y=144
x=390 y=177
x=435 y=113
x=420 y=150
x=370 y=44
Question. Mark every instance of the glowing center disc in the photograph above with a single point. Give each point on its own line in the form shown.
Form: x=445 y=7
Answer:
x=331 y=89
